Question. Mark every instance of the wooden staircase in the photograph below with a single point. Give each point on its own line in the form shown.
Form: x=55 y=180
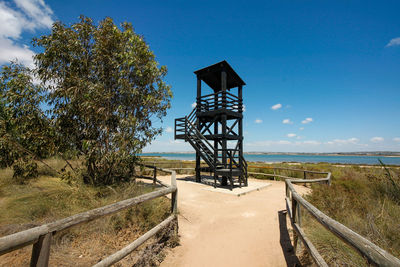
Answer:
x=187 y=129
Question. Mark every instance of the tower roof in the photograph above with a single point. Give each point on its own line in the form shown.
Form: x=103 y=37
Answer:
x=211 y=75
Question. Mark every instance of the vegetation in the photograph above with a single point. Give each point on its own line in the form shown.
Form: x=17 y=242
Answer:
x=100 y=86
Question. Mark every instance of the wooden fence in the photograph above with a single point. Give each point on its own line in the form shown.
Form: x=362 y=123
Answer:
x=295 y=203
x=41 y=236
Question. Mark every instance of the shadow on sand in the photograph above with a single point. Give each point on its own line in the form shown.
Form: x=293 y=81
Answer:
x=286 y=244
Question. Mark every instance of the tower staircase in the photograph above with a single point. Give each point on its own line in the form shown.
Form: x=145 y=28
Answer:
x=235 y=166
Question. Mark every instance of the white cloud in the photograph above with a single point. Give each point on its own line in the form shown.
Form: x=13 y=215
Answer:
x=281 y=145
x=352 y=140
x=258 y=121
x=268 y=143
x=169 y=129
x=38 y=11
x=377 y=139
x=276 y=107
x=291 y=135
x=26 y=15
x=301 y=128
x=244 y=108
x=306 y=120
x=311 y=142
x=194 y=104
x=394 y=42
x=396 y=139
x=176 y=141
x=287 y=121
x=9 y=50
x=11 y=22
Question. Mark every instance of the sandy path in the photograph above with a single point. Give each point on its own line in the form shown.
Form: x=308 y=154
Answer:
x=218 y=229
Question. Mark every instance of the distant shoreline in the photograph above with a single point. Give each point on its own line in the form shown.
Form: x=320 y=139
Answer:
x=387 y=154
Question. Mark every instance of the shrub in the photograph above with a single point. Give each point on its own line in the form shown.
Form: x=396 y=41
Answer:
x=24 y=170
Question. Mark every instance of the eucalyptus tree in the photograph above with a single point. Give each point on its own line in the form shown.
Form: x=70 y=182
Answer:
x=104 y=88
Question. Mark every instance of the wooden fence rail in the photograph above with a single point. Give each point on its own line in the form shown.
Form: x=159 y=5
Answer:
x=41 y=236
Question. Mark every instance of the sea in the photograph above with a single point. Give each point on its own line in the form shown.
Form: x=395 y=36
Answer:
x=270 y=158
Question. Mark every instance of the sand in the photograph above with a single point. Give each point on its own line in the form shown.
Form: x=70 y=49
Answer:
x=219 y=229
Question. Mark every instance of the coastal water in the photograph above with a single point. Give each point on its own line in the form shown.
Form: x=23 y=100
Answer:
x=294 y=158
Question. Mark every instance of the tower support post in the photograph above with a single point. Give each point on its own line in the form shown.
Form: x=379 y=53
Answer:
x=198 y=109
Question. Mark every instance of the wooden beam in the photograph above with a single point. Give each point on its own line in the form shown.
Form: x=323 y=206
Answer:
x=41 y=251
x=198 y=99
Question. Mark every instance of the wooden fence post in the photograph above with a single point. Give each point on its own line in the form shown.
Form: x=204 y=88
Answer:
x=174 y=197
x=297 y=219
x=41 y=251
x=286 y=190
x=294 y=217
x=155 y=175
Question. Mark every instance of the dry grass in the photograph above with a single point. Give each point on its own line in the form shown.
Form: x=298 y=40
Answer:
x=48 y=198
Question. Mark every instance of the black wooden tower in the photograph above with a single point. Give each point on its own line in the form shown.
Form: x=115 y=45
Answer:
x=215 y=126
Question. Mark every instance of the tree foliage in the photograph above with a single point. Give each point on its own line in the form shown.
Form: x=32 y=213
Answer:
x=24 y=128
x=104 y=86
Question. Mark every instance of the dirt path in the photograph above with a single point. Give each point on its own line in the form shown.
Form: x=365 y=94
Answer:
x=218 y=229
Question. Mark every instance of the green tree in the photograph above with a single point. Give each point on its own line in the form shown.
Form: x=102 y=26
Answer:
x=24 y=128
x=104 y=88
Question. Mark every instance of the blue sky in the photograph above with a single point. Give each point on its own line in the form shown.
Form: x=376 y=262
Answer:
x=330 y=70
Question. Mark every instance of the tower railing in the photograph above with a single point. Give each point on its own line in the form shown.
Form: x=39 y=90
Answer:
x=220 y=100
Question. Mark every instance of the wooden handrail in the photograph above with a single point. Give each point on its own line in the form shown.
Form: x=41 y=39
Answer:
x=201 y=136
x=40 y=236
x=288 y=169
x=220 y=99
